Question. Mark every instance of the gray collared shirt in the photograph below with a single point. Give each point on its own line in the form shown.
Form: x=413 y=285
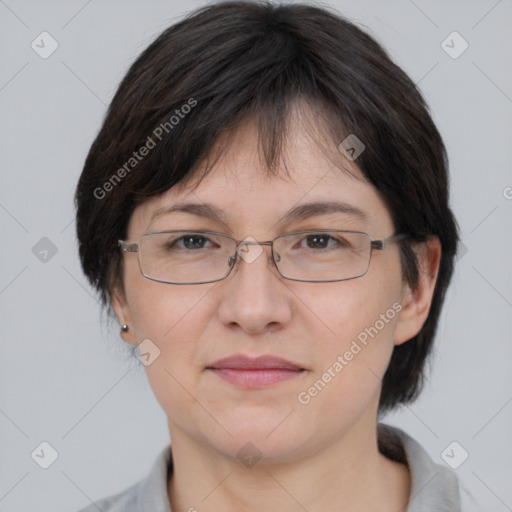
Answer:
x=434 y=487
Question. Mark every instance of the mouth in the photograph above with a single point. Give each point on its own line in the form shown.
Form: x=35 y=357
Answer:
x=255 y=373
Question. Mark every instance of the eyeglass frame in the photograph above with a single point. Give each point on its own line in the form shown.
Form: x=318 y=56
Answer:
x=379 y=245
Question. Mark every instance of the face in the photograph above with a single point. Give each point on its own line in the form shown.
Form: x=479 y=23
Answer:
x=339 y=334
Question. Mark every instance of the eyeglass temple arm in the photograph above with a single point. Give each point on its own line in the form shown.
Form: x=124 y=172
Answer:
x=380 y=245
x=128 y=247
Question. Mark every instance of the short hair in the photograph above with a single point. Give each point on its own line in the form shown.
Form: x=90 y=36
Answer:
x=234 y=60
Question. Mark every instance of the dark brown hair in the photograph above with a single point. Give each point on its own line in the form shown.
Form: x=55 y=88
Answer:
x=231 y=61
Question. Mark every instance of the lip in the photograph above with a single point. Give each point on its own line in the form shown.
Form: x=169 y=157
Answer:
x=255 y=373
x=241 y=362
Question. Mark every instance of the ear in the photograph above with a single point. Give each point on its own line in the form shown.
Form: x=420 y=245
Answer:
x=416 y=301
x=123 y=314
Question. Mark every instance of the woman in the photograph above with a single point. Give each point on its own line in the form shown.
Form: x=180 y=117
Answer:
x=265 y=211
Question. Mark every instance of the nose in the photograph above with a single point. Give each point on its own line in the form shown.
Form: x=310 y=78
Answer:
x=254 y=295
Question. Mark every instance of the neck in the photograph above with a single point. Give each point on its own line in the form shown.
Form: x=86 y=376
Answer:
x=350 y=474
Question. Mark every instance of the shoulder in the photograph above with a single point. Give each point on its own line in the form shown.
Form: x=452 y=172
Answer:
x=150 y=493
x=124 y=501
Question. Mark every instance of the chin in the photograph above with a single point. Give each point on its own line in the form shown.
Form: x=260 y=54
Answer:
x=263 y=441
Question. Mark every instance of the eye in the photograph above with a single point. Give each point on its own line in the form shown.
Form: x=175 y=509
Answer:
x=323 y=241
x=190 y=241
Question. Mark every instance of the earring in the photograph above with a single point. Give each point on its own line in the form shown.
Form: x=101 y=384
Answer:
x=124 y=328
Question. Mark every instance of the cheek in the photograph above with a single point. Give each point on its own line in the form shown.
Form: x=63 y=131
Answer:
x=175 y=323
x=360 y=317
x=356 y=309
x=160 y=311
x=173 y=317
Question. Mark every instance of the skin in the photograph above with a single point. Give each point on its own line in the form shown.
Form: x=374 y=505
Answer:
x=314 y=456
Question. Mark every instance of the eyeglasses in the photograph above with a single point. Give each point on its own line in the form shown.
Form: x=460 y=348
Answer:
x=198 y=257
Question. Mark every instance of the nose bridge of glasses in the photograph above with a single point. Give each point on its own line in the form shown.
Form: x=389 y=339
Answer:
x=243 y=243
x=249 y=242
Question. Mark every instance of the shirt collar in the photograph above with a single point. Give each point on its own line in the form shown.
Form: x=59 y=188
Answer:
x=152 y=494
x=433 y=486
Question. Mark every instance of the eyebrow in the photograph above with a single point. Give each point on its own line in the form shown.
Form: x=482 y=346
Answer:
x=299 y=212
x=199 y=209
x=306 y=210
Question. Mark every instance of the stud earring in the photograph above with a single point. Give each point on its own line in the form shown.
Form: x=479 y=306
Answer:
x=124 y=328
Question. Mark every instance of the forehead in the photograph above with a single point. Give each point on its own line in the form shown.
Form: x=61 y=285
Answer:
x=238 y=191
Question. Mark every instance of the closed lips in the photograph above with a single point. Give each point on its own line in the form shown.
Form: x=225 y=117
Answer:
x=259 y=363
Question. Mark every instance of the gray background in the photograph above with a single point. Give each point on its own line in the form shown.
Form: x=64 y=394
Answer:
x=65 y=375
